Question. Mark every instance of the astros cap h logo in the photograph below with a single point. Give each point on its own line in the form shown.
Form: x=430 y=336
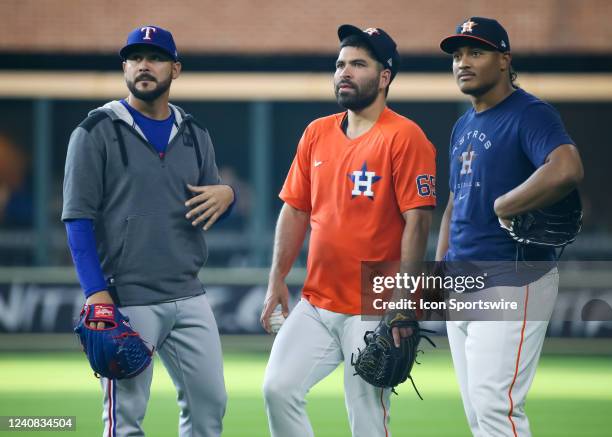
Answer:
x=467 y=26
x=477 y=31
x=372 y=31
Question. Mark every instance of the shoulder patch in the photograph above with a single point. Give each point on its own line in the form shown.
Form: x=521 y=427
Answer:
x=90 y=122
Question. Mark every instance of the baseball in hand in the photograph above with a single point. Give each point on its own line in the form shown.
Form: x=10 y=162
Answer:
x=276 y=321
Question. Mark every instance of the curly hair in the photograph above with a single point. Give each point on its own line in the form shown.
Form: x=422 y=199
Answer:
x=513 y=77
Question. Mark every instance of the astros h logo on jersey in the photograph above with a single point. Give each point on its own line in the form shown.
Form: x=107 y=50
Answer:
x=466 y=158
x=363 y=181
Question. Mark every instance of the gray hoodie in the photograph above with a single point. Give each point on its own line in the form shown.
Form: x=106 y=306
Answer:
x=149 y=251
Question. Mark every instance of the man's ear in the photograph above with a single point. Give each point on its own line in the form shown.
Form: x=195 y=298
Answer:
x=505 y=61
x=385 y=78
x=176 y=69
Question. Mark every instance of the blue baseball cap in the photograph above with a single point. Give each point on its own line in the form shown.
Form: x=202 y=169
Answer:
x=379 y=41
x=153 y=36
x=485 y=31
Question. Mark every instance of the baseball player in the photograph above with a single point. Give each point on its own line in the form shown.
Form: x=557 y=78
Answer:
x=363 y=181
x=509 y=154
x=141 y=186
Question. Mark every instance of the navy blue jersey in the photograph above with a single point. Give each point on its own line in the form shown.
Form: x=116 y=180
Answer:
x=491 y=153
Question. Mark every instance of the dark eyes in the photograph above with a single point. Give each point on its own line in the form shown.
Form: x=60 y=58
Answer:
x=354 y=64
x=472 y=53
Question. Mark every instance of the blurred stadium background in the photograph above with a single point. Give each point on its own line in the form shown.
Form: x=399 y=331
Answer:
x=255 y=73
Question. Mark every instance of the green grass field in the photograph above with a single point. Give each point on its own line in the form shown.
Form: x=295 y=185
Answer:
x=571 y=396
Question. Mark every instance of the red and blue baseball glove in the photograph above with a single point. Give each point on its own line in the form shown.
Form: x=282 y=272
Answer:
x=115 y=351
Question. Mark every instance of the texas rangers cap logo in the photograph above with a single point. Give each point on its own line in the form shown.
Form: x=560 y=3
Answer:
x=147 y=32
x=467 y=26
x=152 y=36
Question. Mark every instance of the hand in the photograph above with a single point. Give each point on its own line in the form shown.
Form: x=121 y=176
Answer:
x=277 y=293
x=208 y=203
x=505 y=223
x=399 y=333
x=99 y=297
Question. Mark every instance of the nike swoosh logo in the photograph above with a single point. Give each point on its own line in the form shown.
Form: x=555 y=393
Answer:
x=318 y=163
x=462 y=196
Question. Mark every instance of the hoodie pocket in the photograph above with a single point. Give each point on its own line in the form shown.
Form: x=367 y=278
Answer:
x=158 y=248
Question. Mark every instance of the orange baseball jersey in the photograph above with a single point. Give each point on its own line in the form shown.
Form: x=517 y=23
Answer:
x=356 y=191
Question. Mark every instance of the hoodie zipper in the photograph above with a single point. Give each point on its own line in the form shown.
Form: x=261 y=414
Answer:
x=150 y=146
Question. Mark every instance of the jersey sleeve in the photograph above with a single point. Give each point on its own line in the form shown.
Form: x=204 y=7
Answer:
x=541 y=131
x=296 y=189
x=414 y=170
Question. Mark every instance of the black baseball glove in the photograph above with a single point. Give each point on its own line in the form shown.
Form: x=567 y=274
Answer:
x=115 y=351
x=554 y=226
x=382 y=364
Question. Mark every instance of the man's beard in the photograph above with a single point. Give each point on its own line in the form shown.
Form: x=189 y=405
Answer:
x=149 y=95
x=363 y=97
